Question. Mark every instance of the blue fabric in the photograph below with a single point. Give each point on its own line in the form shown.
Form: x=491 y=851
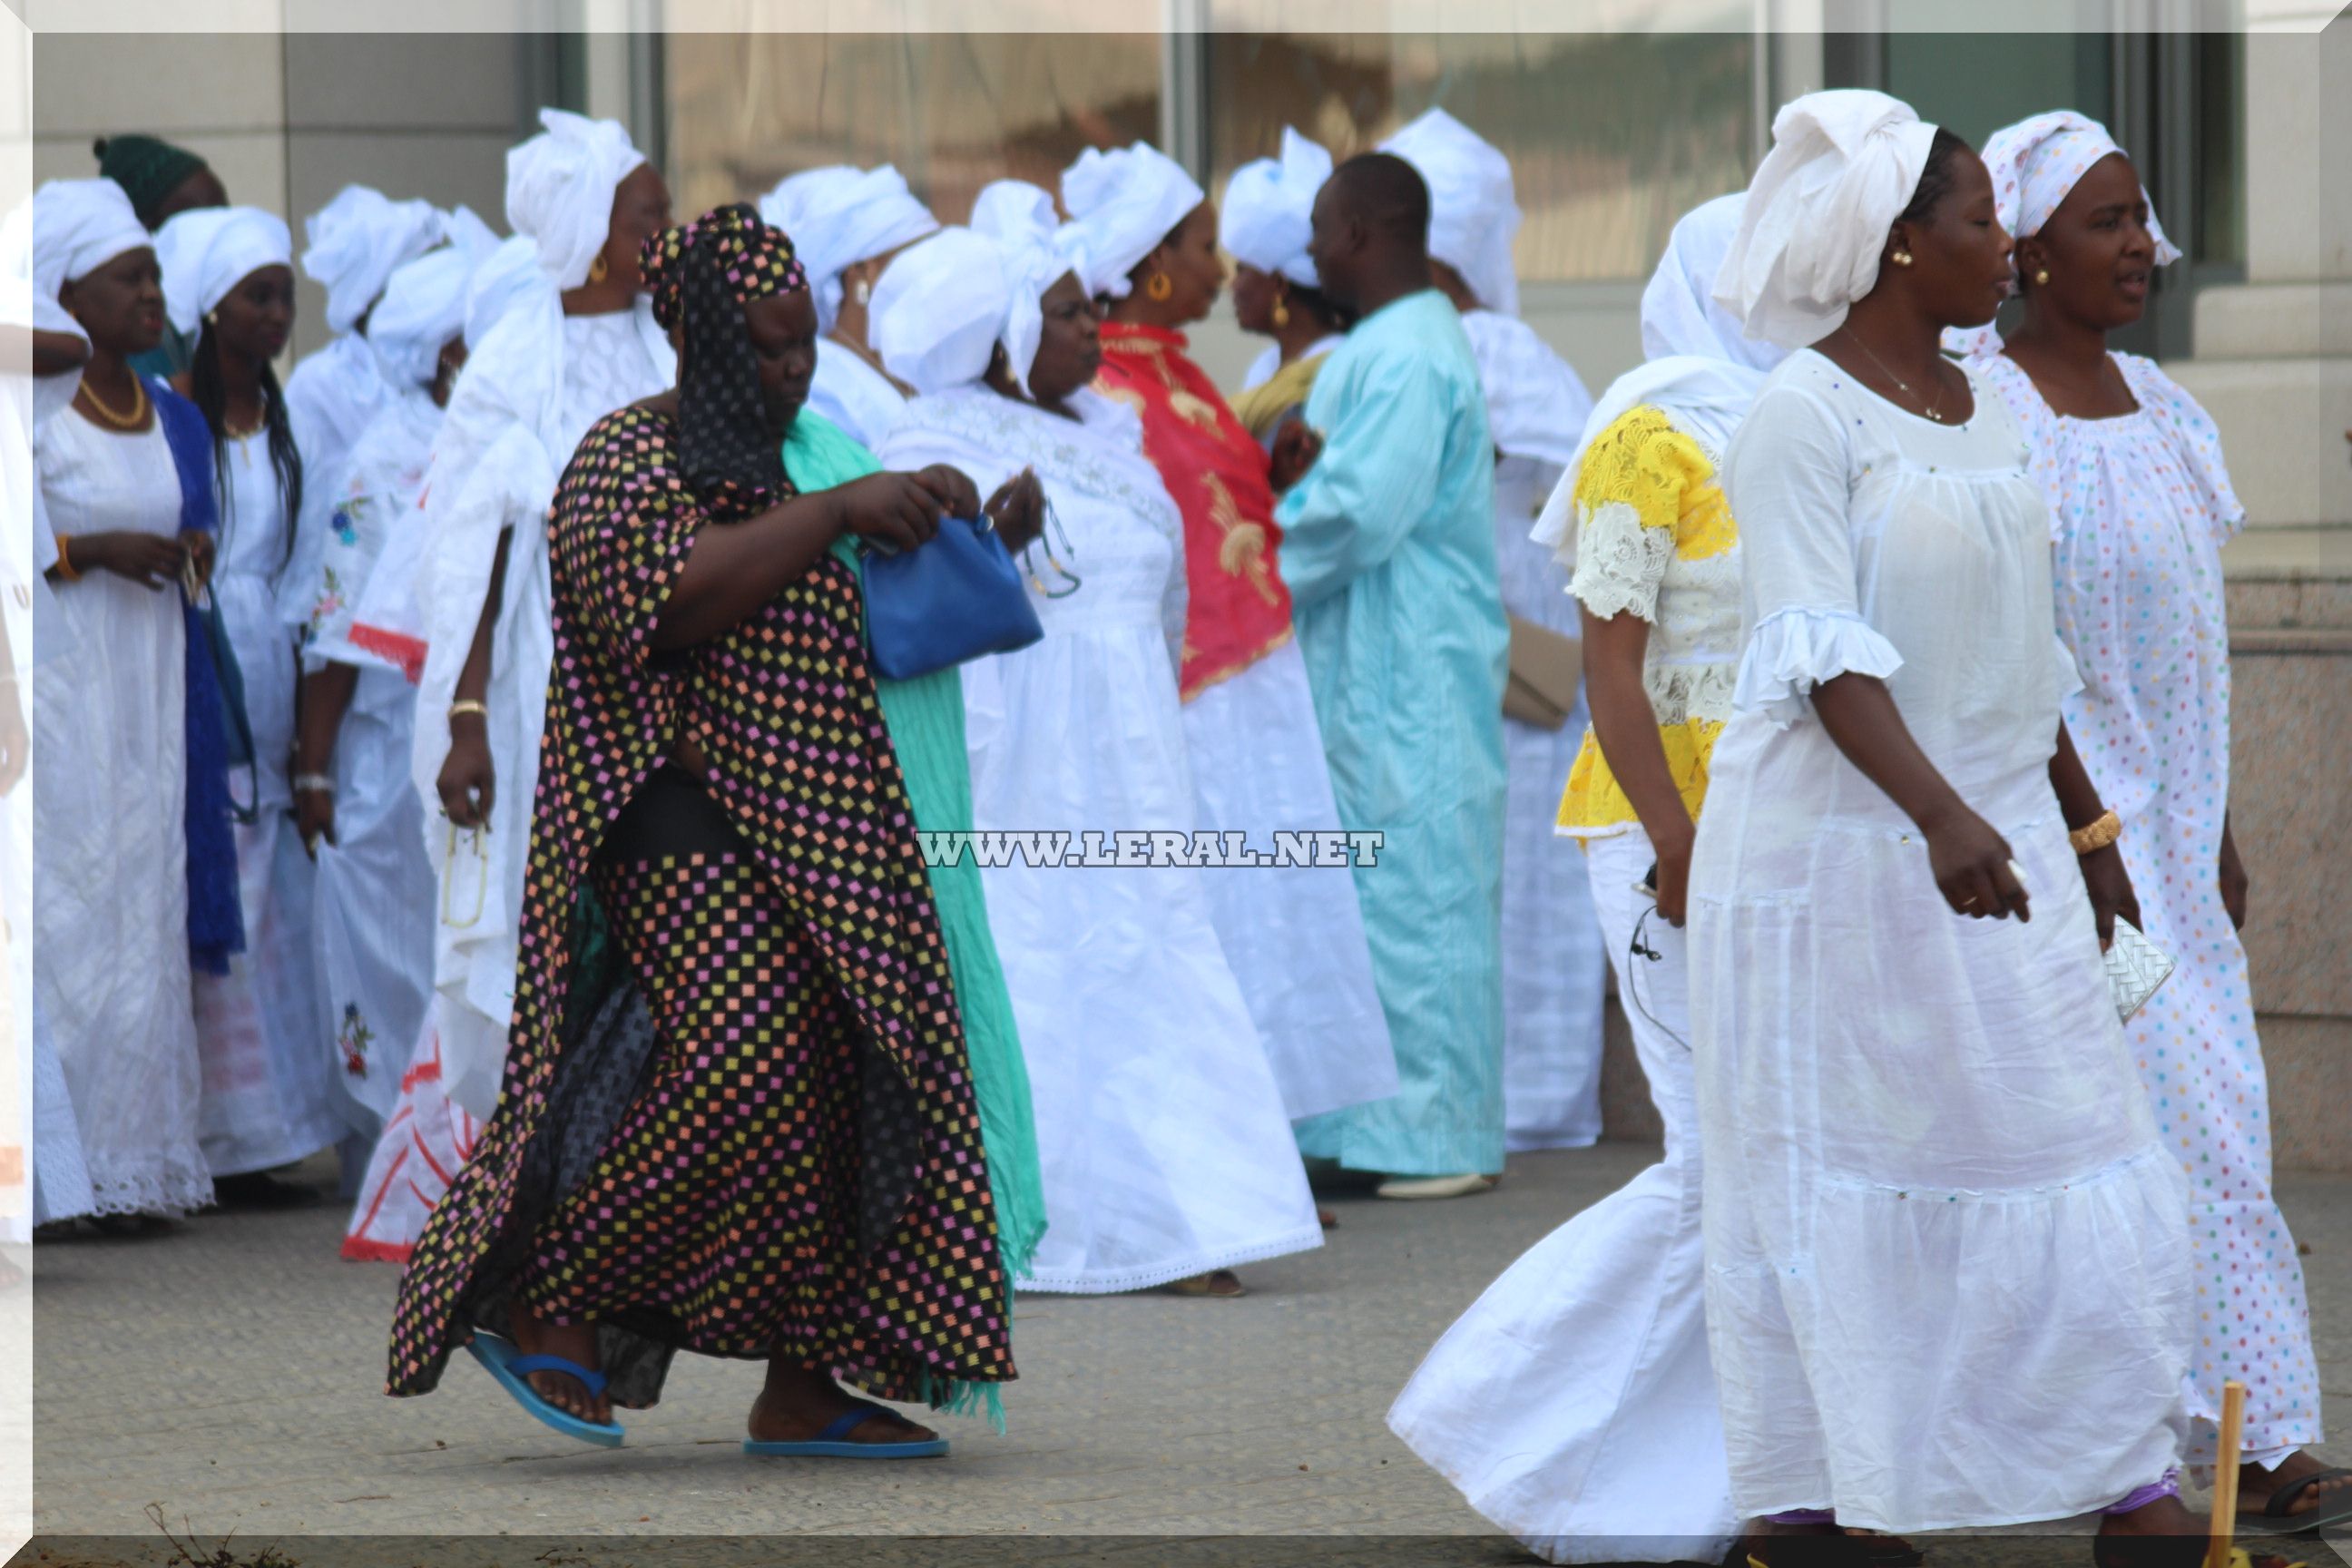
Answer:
x=216 y=917
x=1389 y=550
x=958 y=597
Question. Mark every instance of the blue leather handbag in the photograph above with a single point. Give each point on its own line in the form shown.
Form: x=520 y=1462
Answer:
x=956 y=598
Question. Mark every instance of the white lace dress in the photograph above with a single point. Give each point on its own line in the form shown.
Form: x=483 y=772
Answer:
x=1160 y=1130
x=109 y=885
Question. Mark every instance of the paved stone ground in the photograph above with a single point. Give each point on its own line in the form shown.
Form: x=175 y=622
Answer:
x=228 y=1373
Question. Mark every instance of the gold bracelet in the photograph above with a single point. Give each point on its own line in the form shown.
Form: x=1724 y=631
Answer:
x=2097 y=834
x=66 y=572
x=466 y=705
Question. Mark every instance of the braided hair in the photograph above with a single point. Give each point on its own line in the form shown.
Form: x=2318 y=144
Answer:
x=208 y=390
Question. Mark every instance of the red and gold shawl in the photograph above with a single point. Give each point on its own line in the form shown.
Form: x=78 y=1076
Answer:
x=1239 y=609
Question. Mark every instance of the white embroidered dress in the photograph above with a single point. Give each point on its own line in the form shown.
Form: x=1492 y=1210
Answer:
x=1160 y=1127
x=2142 y=505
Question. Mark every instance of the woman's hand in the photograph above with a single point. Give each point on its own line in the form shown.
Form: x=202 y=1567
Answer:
x=896 y=511
x=2108 y=880
x=468 y=783
x=314 y=818
x=1296 y=447
x=1018 y=510
x=2234 y=881
x=1674 y=878
x=1970 y=864
x=200 y=547
x=954 y=488
x=154 y=560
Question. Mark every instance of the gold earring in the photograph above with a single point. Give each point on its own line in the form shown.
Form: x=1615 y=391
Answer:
x=597 y=271
x=1901 y=259
x=1281 y=311
x=212 y=318
x=2041 y=278
x=1160 y=287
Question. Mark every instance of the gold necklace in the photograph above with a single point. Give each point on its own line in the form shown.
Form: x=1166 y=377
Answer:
x=130 y=421
x=1931 y=410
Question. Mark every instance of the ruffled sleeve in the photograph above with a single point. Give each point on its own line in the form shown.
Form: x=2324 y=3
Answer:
x=2196 y=443
x=1629 y=493
x=1787 y=481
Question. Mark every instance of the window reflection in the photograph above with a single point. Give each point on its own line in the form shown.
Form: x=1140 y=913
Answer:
x=1612 y=137
x=953 y=111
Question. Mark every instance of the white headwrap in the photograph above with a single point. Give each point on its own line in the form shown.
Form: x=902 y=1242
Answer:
x=1843 y=166
x=2034 y=163
x=1474 y=215
x=356 y=240
x=1702 y=369
x=209 y=251
x=560 y=187
x=839 y=217
x=508 y=274
x=1264 y=220
x=1125 y=202
x=945 y=302
x=422 y=307
x=79 y=226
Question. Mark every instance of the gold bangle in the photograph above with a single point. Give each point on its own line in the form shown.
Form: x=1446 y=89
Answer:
x=466 y=705
x=2097 y=834
x=67 y=572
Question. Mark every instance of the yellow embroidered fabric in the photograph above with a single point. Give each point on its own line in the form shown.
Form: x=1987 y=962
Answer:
x=1641 y=474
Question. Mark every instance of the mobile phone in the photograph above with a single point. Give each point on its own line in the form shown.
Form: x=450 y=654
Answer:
x=1648 y=886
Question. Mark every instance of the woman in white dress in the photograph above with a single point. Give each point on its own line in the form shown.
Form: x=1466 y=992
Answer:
x=574 y=340
x=359 y=812
x=1166 y=1155
x=269 y=1092
x=1294 y=935
x=111 y=724
x=2133 y=472
x=846 y=223
x=1573 y=1403
x=1948 y=1263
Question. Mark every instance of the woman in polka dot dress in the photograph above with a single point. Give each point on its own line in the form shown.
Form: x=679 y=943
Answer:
x=2141 y=505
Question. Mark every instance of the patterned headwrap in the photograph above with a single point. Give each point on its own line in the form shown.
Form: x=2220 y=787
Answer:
x=148 y=168
x=699 y=276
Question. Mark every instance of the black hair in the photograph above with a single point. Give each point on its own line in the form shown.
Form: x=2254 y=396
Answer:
x=1388 y=193
x=1318 y=303
x=1935 y=176
x=208 y=390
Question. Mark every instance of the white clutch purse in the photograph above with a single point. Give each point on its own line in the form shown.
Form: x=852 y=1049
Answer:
x=2136 y=967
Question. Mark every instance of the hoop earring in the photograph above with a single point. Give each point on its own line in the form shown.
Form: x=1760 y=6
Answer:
x=1160 y=287
x=1281 y=311
x=1901 y=258
x=597 y=270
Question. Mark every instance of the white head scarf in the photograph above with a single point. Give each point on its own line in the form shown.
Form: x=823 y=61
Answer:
x=839 y=217
x=510 y=273
x=79 y=226
x=1264 y=220
x=560 y=187
x=1474 y=215
x=1702 y=369
x=422 y=307
x=1125 y=202
x=209 y=251
x=1843 y=166
x=1019 y=217
x=946 y=302
x=356 y=240
x=2034 y=163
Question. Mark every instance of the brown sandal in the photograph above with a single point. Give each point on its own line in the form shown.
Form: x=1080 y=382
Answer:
x=1218 y=1285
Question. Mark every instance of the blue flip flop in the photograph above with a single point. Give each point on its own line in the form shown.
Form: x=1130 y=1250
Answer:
x=833 y=1442
x=512 y=1369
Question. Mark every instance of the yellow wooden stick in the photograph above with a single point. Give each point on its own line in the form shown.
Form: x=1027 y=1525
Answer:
x=2225 y=1475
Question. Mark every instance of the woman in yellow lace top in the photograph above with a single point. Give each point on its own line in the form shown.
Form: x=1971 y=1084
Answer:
x=1597 y=1338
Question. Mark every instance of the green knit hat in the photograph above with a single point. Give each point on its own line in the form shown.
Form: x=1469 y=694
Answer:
x=148 y=168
